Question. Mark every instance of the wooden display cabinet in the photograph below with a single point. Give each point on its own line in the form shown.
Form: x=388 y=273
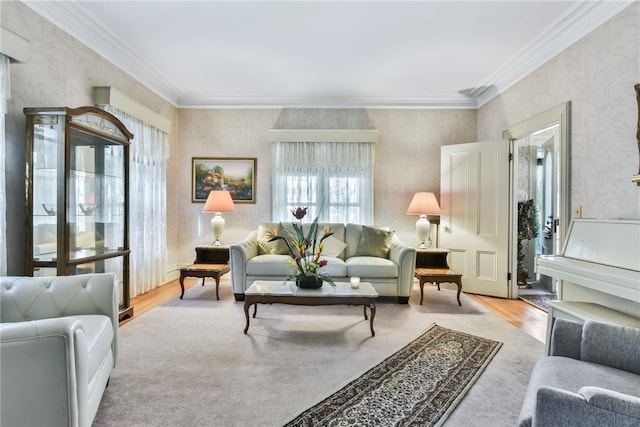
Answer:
x=77 y=195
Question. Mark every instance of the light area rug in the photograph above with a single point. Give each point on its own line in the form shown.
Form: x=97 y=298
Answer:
x=416 y=386
x=188 y=363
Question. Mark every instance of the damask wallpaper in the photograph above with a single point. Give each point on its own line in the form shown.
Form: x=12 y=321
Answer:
x=597 y=75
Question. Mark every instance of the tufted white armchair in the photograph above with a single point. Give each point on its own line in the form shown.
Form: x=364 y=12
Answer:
x=58 y=346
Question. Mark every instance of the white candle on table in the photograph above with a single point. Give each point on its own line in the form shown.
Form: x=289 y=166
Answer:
x=355 y=282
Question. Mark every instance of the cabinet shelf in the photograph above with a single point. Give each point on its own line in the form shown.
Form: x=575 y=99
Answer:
x=77 y=194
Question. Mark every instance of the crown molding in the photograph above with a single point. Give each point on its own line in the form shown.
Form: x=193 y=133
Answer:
x=72 y=19
x=318 y=101
x=580 y=20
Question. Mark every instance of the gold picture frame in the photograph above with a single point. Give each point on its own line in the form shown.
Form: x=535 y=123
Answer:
x=235 y=174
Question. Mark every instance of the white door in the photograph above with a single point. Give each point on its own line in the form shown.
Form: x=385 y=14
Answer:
x=474 y=223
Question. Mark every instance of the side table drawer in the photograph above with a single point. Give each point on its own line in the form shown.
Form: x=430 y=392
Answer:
x=432 y=258
x=212 y=255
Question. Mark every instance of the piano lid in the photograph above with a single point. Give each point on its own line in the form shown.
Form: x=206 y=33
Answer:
x=610 y=242
x=602 y=255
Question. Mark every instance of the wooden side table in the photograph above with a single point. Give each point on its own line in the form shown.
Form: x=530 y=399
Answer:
x=438 y=275
x=203 y=271
x=432 y=267
x=211 y=261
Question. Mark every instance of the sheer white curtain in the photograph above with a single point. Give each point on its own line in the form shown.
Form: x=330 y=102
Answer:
x=5 y=94
x=335 y=175
x=148 y=209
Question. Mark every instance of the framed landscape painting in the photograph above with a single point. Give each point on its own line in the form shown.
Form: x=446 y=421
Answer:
x=237 y=175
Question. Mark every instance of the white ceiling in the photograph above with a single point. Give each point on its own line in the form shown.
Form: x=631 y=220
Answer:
x=456 y=54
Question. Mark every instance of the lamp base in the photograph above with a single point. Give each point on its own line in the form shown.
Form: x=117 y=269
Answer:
x=422 y=228
x=217 y=222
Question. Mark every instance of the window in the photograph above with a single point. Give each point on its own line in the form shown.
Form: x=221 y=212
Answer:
x=337 y=176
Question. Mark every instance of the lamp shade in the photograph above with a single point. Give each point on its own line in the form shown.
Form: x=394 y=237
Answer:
x=219 y=201
x=424 y=203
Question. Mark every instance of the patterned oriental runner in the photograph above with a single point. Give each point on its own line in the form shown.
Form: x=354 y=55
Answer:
x=419 y=385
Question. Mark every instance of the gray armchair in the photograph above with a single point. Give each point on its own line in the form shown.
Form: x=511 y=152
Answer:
x=58 y=346
x=590 y=379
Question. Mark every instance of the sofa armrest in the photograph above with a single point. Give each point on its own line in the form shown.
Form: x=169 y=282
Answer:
x=566 y=338
x=239 y=254
x=404 y=257
x=559 y=408
x=44 y=362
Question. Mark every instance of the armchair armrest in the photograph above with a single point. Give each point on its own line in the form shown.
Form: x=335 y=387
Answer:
x=239 y=254
x=612 y=401
x=30 y=298
x=556 y=408
x=404 y=257
x=44 y=362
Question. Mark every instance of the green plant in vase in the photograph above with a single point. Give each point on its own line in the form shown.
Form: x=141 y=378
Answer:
x=305 y=253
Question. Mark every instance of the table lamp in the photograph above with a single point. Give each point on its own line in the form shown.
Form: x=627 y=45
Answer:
x=423 y=204
x=218 y=201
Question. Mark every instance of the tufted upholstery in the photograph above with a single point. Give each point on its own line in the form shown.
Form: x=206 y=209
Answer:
x=59 y=340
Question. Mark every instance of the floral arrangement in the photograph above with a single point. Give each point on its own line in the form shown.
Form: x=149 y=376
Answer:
x=305 y=251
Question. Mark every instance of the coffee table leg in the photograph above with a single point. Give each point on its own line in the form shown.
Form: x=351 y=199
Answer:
x=365 y=311
x=372 y=307
x=421 y=290
x=459 y=283
x=247 y=304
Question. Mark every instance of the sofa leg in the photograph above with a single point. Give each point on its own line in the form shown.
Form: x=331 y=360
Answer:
x=239 y=297
x=403 y=300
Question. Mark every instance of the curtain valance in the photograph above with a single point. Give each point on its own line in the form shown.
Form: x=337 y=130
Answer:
x=323 y=135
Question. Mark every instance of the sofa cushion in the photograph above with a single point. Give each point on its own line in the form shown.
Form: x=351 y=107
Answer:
x=335 y=267
x=277 y=265
x=99 y=334
x=269 y=265
x=368 y=266
x=571 y=375
x=374 y=242
x=611 y=345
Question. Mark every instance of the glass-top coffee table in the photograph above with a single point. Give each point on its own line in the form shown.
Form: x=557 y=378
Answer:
x=272 y=292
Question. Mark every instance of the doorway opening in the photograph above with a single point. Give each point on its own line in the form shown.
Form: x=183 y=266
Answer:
x=537 y=198
x=540 y=209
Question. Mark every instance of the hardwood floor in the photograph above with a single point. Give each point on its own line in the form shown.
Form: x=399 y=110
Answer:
x=530 y=319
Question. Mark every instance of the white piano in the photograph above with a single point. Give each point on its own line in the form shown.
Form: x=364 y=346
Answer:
x=598 y=273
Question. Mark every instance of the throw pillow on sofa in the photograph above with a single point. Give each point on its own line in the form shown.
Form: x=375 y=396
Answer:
x=279 y=247
x=333 y=247
x=265 y=232
x=374 y=242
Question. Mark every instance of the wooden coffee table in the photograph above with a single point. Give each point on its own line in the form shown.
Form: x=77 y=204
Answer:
x=203 y=271
x=269 y=292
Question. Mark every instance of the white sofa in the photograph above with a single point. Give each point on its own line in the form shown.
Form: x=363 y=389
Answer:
x=371 y=253
x=58 y=346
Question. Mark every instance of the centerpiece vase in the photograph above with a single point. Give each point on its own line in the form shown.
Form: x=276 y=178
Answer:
x=308 y=282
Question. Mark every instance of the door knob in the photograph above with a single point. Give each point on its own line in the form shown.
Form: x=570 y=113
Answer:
x=447 y=229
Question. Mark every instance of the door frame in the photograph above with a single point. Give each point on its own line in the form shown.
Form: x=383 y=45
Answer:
x=557 y=115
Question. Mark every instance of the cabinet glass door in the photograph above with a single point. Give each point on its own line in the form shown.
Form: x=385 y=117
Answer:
x=46 y=147
x=96 y=196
